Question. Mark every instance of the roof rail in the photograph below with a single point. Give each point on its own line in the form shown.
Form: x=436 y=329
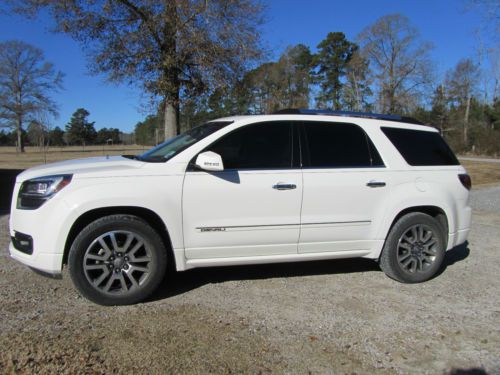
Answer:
x=328 y=112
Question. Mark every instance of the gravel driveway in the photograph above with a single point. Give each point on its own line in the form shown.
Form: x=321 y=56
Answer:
x=341 y=316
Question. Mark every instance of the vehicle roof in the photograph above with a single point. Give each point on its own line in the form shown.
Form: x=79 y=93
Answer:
x=327 y=118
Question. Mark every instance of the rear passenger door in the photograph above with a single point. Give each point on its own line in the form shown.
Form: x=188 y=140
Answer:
x=345 y=185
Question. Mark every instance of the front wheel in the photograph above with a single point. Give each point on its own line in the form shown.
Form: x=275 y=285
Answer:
x=414 y=249
x=117 y=260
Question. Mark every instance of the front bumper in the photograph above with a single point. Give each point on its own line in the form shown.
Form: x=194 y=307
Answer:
x=46 y=227
x=46 y=262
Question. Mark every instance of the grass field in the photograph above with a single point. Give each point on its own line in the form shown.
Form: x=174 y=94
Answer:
x=10 y=159
x=482 y=173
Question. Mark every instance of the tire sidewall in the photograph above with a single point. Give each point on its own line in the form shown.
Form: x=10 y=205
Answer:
x=117 y=223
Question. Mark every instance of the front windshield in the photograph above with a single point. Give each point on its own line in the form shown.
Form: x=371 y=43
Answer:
x=173 y=146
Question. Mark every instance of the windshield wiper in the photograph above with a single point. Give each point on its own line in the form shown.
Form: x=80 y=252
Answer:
x=133 y=157
x=147 y=159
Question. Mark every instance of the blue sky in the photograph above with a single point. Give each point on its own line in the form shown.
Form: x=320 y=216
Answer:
x=445 y=23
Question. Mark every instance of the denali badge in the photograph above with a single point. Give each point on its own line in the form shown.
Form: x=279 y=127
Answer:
x=214 y=229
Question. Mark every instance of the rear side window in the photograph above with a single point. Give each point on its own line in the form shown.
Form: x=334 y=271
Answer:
x=338 y=145
x=421 y=148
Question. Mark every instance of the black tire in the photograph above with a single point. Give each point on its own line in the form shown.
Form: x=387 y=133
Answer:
x=132 y=277
x=400 y=256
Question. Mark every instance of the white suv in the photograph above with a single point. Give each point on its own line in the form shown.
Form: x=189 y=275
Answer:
x=294 y=186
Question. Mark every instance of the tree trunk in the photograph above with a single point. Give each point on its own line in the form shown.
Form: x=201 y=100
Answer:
x=171 y=73
x=466 y=120
x=171 y=123
x=356 y=93
x=20 y=144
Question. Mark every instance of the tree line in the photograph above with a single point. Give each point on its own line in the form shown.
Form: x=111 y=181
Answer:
x=387 y=69
x=200 y=60
x=78 y=131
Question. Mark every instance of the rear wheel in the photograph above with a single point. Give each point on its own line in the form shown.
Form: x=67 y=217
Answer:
x=117 y=260
x=414 y=249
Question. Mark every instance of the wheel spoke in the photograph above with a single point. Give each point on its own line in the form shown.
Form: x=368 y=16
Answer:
x=405 y=256
x=134 y=282
x=113 y=241
x=138 y=268
x=101 y=278
x=427 y=237
x=420 y=231
x=110 y=282
x=104 y=246
x=429 y=243
x=96 y=257
x=413 y=266
x=419 y=266
x=428 y=259
x=136 y=247
x=414 y=234
x=406 y=262
x=128 y=241
x=405 y=246
x=429 y=251
x=408 y=239
x=91 y=267
x=122 y=282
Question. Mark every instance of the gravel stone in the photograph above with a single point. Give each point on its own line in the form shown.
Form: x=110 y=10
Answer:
x=486 y=199
x=342 y=316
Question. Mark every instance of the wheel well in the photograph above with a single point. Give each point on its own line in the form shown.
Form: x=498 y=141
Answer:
x=434 y=211
x=147 y=215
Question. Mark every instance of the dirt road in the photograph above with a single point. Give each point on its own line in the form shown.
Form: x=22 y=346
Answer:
x=330 y=317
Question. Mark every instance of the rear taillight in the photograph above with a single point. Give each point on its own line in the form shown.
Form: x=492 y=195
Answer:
x=465 y=180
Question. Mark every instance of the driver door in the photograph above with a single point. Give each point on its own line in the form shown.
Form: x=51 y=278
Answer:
x=252 y=207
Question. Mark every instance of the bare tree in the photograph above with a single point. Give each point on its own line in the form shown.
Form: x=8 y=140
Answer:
x=26 y=80
x=400 y=62
x=461 y=83
x=356 y=90
x=174 y=48
x=490 y=12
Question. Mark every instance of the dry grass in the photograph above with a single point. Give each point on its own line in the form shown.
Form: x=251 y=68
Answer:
x=10 y=159
x=482 y=173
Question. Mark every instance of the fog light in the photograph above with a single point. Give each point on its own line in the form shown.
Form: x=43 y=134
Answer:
x=23 y=242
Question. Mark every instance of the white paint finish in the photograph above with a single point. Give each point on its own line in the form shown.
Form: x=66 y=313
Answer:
x=251 y=216
x=342 y=196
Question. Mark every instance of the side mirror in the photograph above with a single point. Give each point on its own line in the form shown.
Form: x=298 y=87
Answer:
x=209 y=161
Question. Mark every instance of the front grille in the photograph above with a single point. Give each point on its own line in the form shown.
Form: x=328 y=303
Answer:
x=23 y=242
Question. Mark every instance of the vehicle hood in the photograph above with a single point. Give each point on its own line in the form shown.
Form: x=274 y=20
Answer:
x=88 y=167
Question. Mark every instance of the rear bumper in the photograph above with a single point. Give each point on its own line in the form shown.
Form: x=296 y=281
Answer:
x=461 y=235
x=457 y=238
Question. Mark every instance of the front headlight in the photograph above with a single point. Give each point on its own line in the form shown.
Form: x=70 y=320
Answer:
x=37 y=191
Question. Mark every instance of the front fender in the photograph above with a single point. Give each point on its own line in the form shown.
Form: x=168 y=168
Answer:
x=160 y=194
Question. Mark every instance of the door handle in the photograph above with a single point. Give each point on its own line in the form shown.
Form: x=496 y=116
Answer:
x=374 y=184
x=283 y=186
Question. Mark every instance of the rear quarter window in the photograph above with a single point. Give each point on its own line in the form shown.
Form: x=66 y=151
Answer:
x=421 y=148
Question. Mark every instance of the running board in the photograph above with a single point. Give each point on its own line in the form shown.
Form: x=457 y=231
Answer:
x=237 y=261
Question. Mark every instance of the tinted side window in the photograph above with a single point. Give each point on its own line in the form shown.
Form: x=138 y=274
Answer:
x=259 y=146
x=339 y=145
x=421 y=148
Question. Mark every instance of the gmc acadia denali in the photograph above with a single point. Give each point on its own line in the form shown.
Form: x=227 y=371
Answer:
x=292 y=186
